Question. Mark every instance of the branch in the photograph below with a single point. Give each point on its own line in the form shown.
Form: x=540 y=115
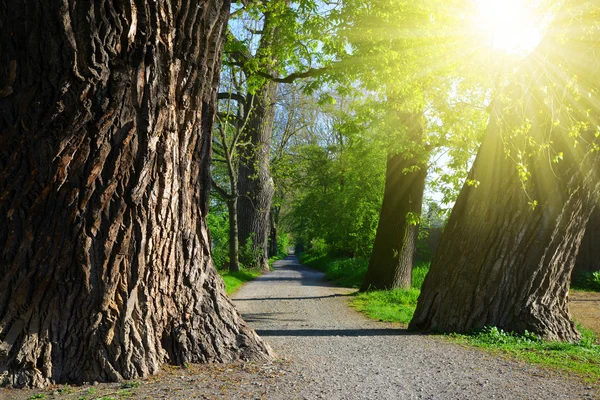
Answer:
x=294 y=76
x=220 y=191
x=231 y=96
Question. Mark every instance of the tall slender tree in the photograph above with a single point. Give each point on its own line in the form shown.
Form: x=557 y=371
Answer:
x=506 y=255
x=106 y=111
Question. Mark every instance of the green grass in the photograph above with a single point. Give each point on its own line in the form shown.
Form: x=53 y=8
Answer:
x=346 y=272
x=234 y=280
x=582 y=358
x=397 y=305
x=589 y=282
x=388 y=305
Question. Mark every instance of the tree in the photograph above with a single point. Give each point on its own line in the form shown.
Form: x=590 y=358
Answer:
x=105 y=271
x=272 y=43
x=229 y=132
x=506 y=255
x=391 y=262
x=418 y=76
x=337 y=183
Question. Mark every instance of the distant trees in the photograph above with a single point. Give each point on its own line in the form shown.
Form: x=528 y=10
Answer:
x=269 y=44
x=417 y=79
x=106 y=111
x=506 y=255
x=337 y=183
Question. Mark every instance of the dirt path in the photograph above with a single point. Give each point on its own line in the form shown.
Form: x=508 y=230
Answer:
x=328 y=351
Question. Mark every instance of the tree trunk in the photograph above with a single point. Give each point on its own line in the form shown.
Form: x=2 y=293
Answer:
x=234 y=245
x=588 y=258
x=274 y=221
x=391 y=262
x=255 y=185
x=500 y=262
x=106 y=110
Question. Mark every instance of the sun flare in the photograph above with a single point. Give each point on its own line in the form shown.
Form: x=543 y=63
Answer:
x=508 y=25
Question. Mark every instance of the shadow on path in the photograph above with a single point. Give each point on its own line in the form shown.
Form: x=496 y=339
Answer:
x=334 y=332
x=294 y=298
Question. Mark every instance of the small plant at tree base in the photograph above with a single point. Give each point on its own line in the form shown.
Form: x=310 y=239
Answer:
x=91 y=391
x=130 y=385
x=124 y=393
x=65 y=390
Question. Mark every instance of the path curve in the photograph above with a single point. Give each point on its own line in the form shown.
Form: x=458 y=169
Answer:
x=342 y=355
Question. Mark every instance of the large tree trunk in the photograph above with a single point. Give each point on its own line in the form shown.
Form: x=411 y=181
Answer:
x=588 y=258
x=391 y=262
x=500 y=262
x=255 y=184
x=106 y=110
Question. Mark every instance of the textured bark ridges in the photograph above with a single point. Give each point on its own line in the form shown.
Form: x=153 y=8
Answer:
x=391 y=262
x=499 y=262
x=106 y=109
x=255 y=184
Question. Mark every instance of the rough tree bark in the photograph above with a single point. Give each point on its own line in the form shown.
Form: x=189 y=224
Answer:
x=255 y=184
x=499 y=262
x=106 y=109
x=391 y=262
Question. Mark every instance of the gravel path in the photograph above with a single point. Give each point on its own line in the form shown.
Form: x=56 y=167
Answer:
x=342 y=355
x=329 y=351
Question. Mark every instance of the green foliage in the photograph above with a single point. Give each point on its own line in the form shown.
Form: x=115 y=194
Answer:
x=37 y=396
x=338 y=188
x=284 y=242
x=588 y=281
x=582 y=358
x=234 y=280
x=218 y=225
x=130 y=385
x=249 y=253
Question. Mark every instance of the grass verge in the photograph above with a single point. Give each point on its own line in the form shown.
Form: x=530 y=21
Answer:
x=582 y=358
x=346 y=272
x=397 y=305
x=234 y=280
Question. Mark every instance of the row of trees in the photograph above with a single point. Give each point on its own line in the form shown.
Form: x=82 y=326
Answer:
x=109 y=115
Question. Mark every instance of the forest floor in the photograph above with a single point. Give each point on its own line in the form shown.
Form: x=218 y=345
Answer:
x=327 y=350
